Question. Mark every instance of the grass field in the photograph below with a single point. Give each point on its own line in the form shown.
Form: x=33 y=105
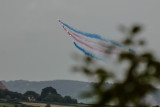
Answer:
x=33 y=104
x=43 y=104
x=8 y=105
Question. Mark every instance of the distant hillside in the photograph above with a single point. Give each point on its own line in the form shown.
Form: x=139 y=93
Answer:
x=64 y=87
x=2 y=86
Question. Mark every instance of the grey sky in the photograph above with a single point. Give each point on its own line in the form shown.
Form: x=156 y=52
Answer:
x=33 y=46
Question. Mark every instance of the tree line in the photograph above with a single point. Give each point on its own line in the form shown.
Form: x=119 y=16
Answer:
x=48 y=95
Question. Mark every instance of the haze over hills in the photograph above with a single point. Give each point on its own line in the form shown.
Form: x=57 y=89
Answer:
x=63 y=87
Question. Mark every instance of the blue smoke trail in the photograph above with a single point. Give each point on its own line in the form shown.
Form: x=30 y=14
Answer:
x=96 y=36
x=87 y=53
x=84 y=33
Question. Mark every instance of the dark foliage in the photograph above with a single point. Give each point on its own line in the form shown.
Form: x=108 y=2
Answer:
x=137 y=82
x=30 y=94
x=48 y=94
x=5 y=94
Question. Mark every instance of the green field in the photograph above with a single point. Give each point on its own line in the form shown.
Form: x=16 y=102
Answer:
x=7 y=105
x=13 y=105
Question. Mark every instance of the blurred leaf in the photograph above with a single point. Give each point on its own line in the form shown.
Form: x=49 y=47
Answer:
x=127 y=41
x=141 y=42
x=136 y=84
x=88 y=60
x=136 y=29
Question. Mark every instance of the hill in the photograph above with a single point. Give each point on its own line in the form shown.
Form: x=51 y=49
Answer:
x=2 y=86
x=63 y=87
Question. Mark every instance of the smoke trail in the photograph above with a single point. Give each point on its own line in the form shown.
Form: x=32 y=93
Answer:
x=96 y=36
x=83 y=33
x=87 y=53
x=87 y=45
x=87 y=40
x=100 y=43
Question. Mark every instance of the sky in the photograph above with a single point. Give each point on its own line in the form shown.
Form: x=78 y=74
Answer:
x=34 y=47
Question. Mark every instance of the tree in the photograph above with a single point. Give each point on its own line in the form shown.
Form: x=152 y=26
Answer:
x=53 y=98
x=68 y=99
x=48 y=91
x=10 y=95
x=2 y=94
x=30 y=94
x=50 y=94
x=142 y=73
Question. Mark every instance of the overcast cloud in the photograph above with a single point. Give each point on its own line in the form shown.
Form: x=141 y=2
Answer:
x=33 y=46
